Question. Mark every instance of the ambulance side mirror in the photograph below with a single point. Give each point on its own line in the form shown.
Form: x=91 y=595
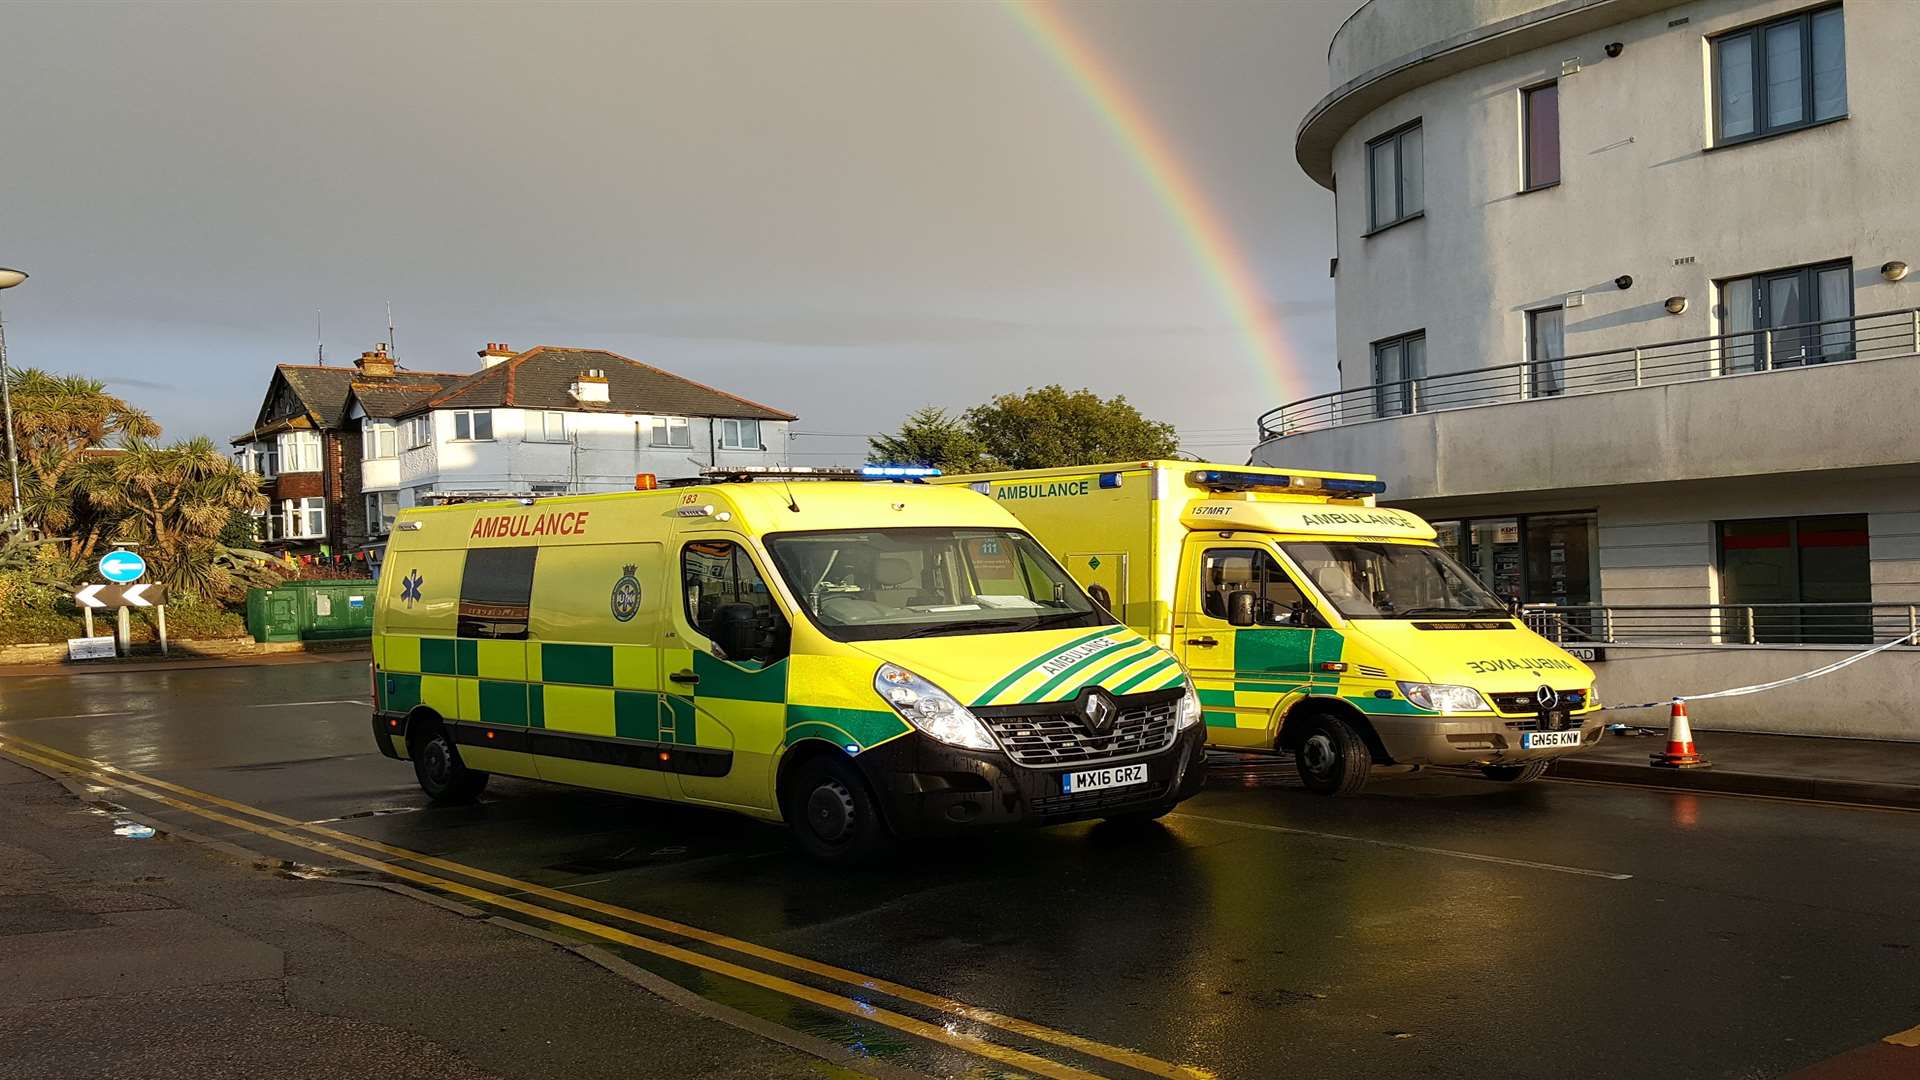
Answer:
x=1100 y=596
x=1240 y=609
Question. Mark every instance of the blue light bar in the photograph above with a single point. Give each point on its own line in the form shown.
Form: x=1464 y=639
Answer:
x=1229 y=480
x=1357 y=487
x=1223 y=478
x=1109 y=479
x=897 y=472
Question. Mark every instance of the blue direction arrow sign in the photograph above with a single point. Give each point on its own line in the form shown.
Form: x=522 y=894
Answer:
x=122 y=567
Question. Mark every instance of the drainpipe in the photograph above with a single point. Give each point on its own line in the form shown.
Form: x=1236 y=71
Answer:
x=713 y=443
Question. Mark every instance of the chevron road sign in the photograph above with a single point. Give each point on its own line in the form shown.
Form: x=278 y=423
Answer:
x=108 y=596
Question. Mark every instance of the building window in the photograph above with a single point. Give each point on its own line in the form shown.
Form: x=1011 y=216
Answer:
x=268 y=525
x=1394 y=178
x=548 y=425
x=419 y=431
x=1777 y=575
x=1540 y=558
x=262 y=458
x=496 y=587
x=740 y=435
x=671 y=431
x=1546 y=352
x=473 y=425
x=382 y=506
x=306 y=519
x=1780 y=75
x=378 y=440
x=1806 y=311
x=1398 y=365
x=1540 y=113
x=299 y=452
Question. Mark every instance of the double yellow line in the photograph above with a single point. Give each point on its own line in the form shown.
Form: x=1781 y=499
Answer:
x=337 y=844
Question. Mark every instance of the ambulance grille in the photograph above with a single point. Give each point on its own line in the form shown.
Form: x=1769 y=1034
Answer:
x=1054 y=738
x=1522 y=704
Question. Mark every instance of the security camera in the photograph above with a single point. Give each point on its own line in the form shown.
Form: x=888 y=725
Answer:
x=1614 y=48
x=1624 y=281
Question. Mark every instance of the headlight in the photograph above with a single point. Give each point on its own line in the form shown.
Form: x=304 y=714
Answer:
x=931 y=709
x=1189 y=711
x=1442 y=698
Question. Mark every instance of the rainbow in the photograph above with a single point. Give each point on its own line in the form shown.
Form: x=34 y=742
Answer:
x=1227 y=268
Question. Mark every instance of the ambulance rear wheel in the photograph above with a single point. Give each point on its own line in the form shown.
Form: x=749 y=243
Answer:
x=833 y=814
x=1516 y=774
x=1332 y=758
x=442 y=775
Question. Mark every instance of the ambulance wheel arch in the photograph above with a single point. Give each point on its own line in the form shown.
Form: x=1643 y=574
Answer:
x=794 y=762
x=1299 y=718
x=436 y=760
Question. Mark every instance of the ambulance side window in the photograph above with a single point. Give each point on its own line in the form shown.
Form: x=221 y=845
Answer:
x=1225 y=571
x=729 y=603
x=495 y=589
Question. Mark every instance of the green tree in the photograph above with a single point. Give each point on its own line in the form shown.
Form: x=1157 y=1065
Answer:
x=1053 y=426
x=62 y=422
x=174 y=503
x=930 y=438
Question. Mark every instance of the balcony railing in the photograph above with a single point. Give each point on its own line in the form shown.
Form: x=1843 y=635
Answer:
x=1725 y=624
x=1857 y=337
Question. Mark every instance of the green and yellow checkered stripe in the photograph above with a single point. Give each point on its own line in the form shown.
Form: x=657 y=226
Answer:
x=1115 y=658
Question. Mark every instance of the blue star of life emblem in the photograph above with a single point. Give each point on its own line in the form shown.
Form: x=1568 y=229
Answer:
x=410 y=587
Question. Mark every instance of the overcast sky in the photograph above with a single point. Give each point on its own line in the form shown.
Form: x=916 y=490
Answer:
x=846 y=210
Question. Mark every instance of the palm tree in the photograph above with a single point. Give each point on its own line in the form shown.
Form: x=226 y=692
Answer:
x=60 y=424
x=173 y=502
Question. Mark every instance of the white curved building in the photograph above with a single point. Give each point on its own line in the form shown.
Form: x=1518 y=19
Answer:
x=1621 y=297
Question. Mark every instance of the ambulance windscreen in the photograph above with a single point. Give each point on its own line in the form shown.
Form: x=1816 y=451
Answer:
x=877 y=584
x=1383 y=580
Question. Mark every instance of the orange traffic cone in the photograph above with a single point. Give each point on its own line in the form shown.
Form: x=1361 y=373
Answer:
x=1680 y=752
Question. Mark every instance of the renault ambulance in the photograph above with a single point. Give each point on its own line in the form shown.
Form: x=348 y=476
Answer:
x=858 y=660
x=1311 y=620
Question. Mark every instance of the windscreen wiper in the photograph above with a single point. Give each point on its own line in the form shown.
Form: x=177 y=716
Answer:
x=966 y=626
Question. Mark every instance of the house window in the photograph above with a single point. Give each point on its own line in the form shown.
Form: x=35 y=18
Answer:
x=1398 y=365
x=382 y=507
x=1781 y=75
x=548 y=425
x=1778 y=576
x=263 y=458
x=1546 y=349
x=740 y=435
x=1540 y=112
x=306 y=519
x=1807 y=312
x=418 y=431
x=671 y=431
x=1394 y=178
x=268 y=526
x=378 y=440
x=299 y=452
x=472 y=425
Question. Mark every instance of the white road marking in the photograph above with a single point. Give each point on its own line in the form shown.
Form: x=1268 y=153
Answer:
x=1475 y=856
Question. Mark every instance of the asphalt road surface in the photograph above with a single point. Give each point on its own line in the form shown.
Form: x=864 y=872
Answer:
x=1437 y=926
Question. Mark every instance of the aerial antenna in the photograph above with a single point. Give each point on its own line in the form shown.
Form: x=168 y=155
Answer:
x=392 y=348
x=319 y=341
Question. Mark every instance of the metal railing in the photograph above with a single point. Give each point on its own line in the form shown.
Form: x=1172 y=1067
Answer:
x=1724 y=624
x=1857 y=337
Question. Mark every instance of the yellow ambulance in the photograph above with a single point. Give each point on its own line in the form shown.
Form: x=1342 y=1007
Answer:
x=1311 y=619
x=860 y=660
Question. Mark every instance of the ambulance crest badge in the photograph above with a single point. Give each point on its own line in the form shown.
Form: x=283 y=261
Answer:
x=626 y=595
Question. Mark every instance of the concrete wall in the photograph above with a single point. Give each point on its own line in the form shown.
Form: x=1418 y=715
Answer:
x=604 y=453
x=1642 y=192
x=1874 y=699
x=1379 y=33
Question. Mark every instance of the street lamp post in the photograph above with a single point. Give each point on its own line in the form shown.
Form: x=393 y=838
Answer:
x=8 y=279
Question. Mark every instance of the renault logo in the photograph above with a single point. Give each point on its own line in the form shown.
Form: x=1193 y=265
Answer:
x=1547 y=696
x=1098 y=709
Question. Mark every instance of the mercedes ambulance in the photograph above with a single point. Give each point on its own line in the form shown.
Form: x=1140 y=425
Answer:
x=1311 y=619
x=858 y=660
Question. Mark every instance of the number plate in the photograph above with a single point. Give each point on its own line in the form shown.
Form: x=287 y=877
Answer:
x=1095 y=779
x=1542 y=740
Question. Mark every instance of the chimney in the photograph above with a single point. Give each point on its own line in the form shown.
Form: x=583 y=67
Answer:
x=590 y=388
x=495 y=352
x=376 y=362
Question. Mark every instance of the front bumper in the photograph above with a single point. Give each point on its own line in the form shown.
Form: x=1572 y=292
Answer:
x=926 y=787
x=1474 y=740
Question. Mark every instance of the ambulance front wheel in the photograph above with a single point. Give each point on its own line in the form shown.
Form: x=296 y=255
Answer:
x=443 y=776
x=1332 y=757
x=833 y=814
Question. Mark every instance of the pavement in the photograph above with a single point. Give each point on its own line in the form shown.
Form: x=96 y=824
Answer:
x=1438 y=925
x=1864 y=771
x=321 y=653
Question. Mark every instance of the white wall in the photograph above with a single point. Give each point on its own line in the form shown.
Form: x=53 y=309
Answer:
x=604 y=452
x=1640 y=189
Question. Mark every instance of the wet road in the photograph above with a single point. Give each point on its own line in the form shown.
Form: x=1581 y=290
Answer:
x=1437 y=926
